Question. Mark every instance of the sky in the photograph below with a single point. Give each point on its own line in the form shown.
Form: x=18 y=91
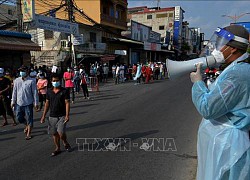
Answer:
x=204 y=14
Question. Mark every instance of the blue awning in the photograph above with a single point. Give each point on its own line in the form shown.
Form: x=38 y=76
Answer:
x=15 y=34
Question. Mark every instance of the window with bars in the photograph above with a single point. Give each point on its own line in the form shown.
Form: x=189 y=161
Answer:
x=161 y=27
x=92 y=37
x=149 y=16
x=10 y=12
x=161 y=15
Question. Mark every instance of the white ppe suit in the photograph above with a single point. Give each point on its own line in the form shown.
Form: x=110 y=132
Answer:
x=223 y=136
x=138 y=73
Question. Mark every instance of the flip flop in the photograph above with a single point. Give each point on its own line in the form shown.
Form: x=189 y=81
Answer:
x=68 y=147
x=28 y=137
x=55 y=153
x=4 y=124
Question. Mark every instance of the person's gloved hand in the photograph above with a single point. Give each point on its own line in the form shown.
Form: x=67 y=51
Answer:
x=196 y=76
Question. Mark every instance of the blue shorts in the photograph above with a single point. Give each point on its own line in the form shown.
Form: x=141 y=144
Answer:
x=22 y=111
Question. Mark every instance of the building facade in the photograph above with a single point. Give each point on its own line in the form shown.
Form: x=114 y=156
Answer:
x=15 y=47
x=166 y=21
x=8 y=14
x=96 y=26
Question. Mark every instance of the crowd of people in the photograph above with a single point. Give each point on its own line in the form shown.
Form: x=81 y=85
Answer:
x=141 y=73
x=20 y=95
x=32 y=88
x=73 y=79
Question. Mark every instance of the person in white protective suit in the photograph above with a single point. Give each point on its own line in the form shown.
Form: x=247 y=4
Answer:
x=138 y=74
x=223 y=138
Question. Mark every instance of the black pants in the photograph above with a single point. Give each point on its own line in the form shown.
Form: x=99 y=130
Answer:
x=77 y=85
x=85 y=90
x=139 y=80
x=42 y=98
x=72 y=91
x=5 y=107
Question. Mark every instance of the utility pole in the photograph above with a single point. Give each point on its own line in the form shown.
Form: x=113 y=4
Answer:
x=19 y=16
x=70 y=18
x=235 y=17
x=158 y=4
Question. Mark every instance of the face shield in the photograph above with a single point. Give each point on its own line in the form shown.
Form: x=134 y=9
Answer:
x=218 y=40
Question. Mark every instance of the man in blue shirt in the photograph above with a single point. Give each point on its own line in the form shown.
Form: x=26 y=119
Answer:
x=24 y=96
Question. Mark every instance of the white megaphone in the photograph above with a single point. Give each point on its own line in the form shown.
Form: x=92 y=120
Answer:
x=178 y=68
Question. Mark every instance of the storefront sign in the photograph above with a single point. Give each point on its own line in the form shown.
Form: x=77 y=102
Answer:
x=53 y=24
x=152 y=46
x=106 y=58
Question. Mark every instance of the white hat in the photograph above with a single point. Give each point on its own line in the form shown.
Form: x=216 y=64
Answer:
x=1 y=70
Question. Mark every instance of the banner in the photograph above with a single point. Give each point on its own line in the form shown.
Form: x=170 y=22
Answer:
x=28 y=10
x=152 y=46
x=53 y=24
x=176 y=34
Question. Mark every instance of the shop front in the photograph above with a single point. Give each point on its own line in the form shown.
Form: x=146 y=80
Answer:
x=15 y=49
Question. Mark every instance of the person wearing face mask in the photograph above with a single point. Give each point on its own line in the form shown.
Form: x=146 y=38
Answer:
x=33 y=74
x=223 y=136
x=5 y=108
x=24 y=96
x=57 y=101
x=76 y=80
x=69 y=82
x=42 y=84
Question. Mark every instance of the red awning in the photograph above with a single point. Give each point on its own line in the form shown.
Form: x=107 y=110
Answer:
x=18 y=44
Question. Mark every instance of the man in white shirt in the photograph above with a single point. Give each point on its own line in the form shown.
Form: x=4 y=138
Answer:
x=24 y=96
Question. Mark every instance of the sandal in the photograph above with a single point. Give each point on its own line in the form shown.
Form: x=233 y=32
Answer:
x=55 y=153
x=28 y=137
x=4 y=124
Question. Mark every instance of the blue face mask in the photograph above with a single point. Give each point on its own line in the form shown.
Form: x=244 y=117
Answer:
x=1 y=75
x=22 y=74
x=56 y=84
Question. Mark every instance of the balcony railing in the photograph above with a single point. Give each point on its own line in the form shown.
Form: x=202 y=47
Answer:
x=113 y=20
x=110 y=19
x=91 y=47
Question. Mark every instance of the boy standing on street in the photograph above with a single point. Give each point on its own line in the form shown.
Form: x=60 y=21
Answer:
x=57 y=100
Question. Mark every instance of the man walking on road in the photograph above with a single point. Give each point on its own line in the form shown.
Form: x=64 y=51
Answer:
x=24 y=96
x=69 y=82
x=57 y=100
x=5 y=98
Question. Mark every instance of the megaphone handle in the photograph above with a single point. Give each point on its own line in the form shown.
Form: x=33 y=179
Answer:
x=207 y=63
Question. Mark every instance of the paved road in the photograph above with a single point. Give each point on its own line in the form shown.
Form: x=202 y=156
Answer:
x=133 y=116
